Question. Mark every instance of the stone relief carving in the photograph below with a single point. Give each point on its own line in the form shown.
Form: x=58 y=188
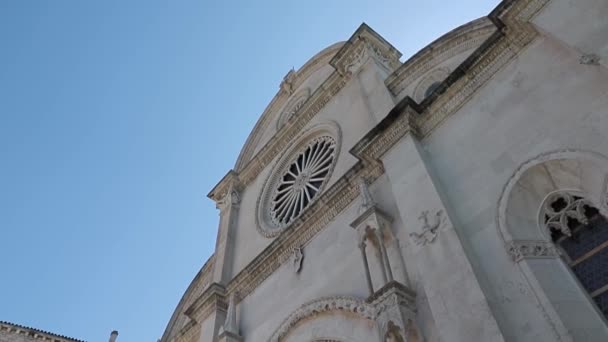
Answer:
x=589 y=59
x=288 y=84
x=428 y=232
x=296 y=259
x=522 y=249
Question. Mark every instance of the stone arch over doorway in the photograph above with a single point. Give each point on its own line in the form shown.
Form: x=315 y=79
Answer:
x=529 y=219
x=345 y=319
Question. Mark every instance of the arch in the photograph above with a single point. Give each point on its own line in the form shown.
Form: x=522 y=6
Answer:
x=526 y=232
x=589 y=176
x=329 y=305
x=429 y=83
x=460 y=41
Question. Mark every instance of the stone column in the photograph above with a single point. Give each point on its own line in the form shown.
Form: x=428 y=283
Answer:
x=457 y=302
x=368 y=277
x=385 y=261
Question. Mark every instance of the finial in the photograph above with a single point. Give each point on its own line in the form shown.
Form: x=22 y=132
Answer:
x=113 y=336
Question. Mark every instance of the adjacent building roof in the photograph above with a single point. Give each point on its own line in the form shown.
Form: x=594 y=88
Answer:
x=7 y=328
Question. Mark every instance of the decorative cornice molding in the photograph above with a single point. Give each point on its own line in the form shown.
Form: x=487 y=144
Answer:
x=213 y=298
x=531 y=249
x=455 y=42
x=194 y=290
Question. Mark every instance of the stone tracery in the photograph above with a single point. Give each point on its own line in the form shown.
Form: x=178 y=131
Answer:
x=302 y=180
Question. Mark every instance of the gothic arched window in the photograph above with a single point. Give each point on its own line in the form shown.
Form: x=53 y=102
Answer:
x=581 y=233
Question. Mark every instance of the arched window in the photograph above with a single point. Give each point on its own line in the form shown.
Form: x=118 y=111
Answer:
x=431 y=89
x=581 y=233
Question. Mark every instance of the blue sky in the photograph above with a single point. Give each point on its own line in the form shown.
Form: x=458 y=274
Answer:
x=116 y=119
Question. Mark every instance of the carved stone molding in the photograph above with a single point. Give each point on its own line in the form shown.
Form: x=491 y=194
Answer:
x=200 y=283
x=395 y=306
x=230 y=200
x=324 y=305
x=429 y=231
x=213 y=298
x=531 y=249
x=460 y=40
x=365 y=44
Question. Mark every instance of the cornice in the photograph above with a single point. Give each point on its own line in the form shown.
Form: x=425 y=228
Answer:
x=214 y=297
x=457 y=41
x=194 y=290
x=408 y=117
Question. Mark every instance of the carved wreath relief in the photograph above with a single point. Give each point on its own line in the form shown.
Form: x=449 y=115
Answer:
x=429 y=230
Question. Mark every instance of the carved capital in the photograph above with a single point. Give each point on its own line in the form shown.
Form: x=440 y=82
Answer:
x=363 y=45
x=230 y=199
x=531 y=249
x=395 y=307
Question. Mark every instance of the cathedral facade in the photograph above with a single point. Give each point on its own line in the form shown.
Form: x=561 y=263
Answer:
x=458 y=196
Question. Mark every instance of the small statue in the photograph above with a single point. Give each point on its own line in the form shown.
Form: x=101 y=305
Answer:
x=296 y=259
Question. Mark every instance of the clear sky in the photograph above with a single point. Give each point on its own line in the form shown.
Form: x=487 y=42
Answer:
x=116 y=119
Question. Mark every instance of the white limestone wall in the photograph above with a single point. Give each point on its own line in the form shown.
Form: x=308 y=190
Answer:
x=332 y=266
x=580 y=24
x=355 y=109
x=545 y=100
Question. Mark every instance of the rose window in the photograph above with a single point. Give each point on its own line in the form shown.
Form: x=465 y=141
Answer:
x=302 y=180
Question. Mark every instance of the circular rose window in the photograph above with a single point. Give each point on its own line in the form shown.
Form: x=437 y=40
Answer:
x=302 y=180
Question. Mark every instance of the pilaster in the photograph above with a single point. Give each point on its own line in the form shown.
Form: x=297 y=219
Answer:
x=227 y=198
x=209 y=311
x=455 y=297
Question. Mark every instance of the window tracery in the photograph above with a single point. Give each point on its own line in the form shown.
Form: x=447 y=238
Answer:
x=302 y=180
x=581 y=232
